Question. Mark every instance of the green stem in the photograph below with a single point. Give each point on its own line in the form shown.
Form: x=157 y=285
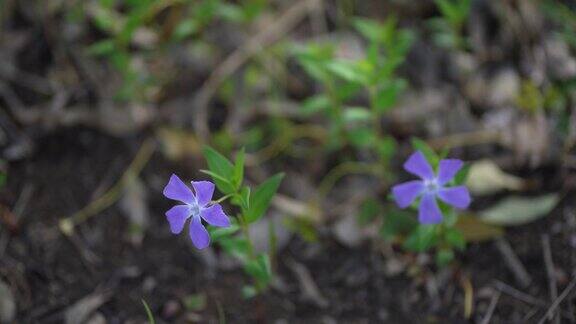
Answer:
x=373 y=92
x=343 y=169
x=246 y=232
x=222 y=199
x=335 y=110
x=251 y=254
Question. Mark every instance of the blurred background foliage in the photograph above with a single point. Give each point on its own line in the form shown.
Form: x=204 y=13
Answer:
x=334 y=93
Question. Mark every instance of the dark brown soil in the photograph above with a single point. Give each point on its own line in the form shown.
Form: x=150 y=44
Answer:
x=49 y=272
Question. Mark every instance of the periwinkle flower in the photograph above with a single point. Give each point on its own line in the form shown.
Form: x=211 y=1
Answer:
x=430 y=187
x=196 y=206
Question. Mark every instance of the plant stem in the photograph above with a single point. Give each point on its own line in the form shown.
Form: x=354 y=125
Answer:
x=244 y=226
x=372 y=93
x=343 y=169
x=222 y=199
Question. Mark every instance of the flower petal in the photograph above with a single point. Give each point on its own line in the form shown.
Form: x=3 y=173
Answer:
x=204 y=191
x=177 y=190
x=458 y=197
x=428 y=212
x=199 y=234
x=447 y=169
x=214 y=215
x=406 y=192
x=177 y=216
x=417 y=165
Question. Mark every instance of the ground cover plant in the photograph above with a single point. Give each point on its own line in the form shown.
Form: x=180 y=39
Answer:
x=270 y=161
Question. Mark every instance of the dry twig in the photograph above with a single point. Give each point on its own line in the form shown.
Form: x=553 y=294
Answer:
x=491 y=308
x=309 y=288
x=513 y=263
x=558 y=300
x=550 y=271
x=111 y=196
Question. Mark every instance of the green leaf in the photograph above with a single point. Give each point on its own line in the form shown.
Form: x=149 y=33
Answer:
x=231 y=12
x=148 y=312
x=237 y=247
x=461 y=177
x=134 y=20
x=316 y=104
x=422 y=239
x=388 y=95
x=102 y=48
x=249 y=291
x=455 y=238
x=304 y=227
x=105 y=20
x=513 y=211
x=361 y=136
x=347 y=70
x=447 y=8
x=217 y=163
x=3 y=178
x=369 y=210
x=347 y=91
x=261 y=197
x=386 y=147
x=219 y=233
x=184 y=29
x=356 y=114
x=397 y=222
x=238 y=174
x=222 y=168
x=260 y=269
x=428 y=152
x=245 y=198
x=369 y=29
x=450 y=215
x=215 y=176
x=444 y=257
x=313 y=59
x=389 y=32
x=195 y=302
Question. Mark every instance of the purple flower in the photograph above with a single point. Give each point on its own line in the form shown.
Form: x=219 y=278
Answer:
x=430 y=187
x=196 y=206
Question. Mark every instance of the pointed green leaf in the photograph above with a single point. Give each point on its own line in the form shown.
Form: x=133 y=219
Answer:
x=238 y=175
x=422 y=239
x=260 y=269
x=261 y=197
x=219 y=233
x=455 y=238
x=428 y=152
x=222 y=168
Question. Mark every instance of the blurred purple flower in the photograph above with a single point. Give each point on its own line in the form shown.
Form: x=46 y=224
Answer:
x=196 y=206
x=430 y=187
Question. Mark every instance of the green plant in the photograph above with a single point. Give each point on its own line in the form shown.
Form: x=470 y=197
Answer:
x=564 y=17
x=148 y=312
x=449 y=28
x=343 y=80
x=252 y=204
x=434 y=230
x=135 y=35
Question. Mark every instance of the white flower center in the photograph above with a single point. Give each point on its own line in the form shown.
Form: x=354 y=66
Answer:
x=194 y=210
x=431 y=186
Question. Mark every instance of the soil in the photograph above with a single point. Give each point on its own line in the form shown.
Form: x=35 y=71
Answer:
x=49 y=272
